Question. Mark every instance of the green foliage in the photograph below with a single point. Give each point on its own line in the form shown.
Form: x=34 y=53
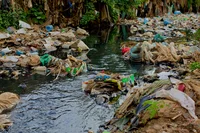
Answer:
x=189 y=2
x=195 y=65
x=106 y=132
x=122 y=6
x=196 y=35
x=22 y=15
x=8 y=18
x=193 y=2
x=36 y=14
x=11 y=18
x=116 y=7
x=89 y=15
x=154 y=107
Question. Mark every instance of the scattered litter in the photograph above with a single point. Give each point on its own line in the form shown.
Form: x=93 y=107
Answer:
x=24 y=24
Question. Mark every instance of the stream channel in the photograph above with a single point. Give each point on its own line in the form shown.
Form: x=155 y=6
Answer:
x=61 y=106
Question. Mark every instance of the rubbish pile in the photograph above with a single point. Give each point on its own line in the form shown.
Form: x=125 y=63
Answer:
x=29 y=46
x=165 y=99
x=105 y=86
x=155 y=52
x=156 y=39
x=166 y=27
x=170 y=105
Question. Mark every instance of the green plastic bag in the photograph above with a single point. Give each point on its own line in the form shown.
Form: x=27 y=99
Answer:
x=130 y=79
x=45 y=59
x=158 y=38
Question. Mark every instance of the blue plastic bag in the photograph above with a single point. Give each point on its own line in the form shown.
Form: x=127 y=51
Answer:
x=166 y=22
x=146 y=20
x=177 y=12
x=49 y=28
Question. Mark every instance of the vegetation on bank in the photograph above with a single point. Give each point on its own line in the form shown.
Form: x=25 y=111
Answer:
x=82 y=12
x=11 y=17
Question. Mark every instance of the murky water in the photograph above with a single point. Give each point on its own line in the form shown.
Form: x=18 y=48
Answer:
x=62 y=106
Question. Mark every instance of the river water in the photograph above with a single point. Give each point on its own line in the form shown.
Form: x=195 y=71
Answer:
x=61 y=106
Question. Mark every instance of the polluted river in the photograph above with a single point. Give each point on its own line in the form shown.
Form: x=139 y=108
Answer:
x=141 y=77
x=49 y=106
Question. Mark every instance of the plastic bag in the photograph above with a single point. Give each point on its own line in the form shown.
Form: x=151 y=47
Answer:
x=6 y=50
x=49 y=28
x=146 y=20
x=166 y=22
x=177 y=12
x=158 y=38
x=4 y=36
x=176 y=95
x=9 y=59
x=45 y=59
x=24 y=25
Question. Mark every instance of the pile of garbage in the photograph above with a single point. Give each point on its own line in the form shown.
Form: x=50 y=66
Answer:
x=105 y=86
x=160 y=52
x=161 y=28
x=31 y=46
x=155 y=39
x=167 y=97
x=169 y=105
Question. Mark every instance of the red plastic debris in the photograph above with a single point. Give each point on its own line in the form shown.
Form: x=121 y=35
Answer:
x=124 y=50
x=102 y=71
x=181 y=87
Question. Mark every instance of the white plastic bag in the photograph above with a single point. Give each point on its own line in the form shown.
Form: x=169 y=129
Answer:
x=4 y=35
x=176 y=95
x=9 y=59
x=6 y=50
x=24 y=25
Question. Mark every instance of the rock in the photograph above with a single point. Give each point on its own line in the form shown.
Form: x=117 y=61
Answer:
x=80 y=31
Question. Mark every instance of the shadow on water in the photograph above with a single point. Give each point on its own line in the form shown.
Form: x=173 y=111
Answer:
x=61 y=106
